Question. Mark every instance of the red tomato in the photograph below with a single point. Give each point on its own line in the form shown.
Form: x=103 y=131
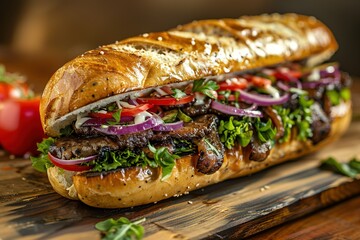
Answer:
x=287 y=75
x=165 y=101
x=233 y=84
x=20 y=126
x=13 y=90
x=258 y=81
x=76 y=168
x=125 y=112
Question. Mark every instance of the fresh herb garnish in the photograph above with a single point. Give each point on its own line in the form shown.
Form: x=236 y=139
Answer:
x=178 y=94
x=207 y=88
x=302 y=117
x=183 y=117
x=235 y=131
x=110 y=160
x=121 y=229
x=183 y=146
x=210 y=147
x=170 y=116
x=265 y=131
x=335 y=96
x=42 y=162
x=287 y=122
x=116 y=116
x=350 y=169
x=164 y=159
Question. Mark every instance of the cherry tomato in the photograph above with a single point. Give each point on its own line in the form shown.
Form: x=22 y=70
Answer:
x=125 y=112
x=13 y=90
x=165 y=101
x=76 y=168
x=233 y=84
x=20 y=126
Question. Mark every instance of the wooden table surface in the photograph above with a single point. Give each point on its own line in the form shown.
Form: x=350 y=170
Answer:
x=29 y=209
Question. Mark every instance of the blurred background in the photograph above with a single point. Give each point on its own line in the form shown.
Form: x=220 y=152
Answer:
x=39 y=36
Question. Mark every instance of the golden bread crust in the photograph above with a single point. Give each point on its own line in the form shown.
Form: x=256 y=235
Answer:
x=192 y=51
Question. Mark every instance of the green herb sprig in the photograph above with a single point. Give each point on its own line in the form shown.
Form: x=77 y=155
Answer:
x=206 y=87
x=350 y=168
x=121 y=229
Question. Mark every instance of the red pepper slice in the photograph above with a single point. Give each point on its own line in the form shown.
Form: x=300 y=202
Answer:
x=125 y=112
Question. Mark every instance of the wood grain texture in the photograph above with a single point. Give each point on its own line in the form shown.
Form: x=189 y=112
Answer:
x=29 y=209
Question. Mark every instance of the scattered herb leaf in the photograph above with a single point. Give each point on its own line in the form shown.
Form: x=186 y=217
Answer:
x=121 y=229
x=350 y=169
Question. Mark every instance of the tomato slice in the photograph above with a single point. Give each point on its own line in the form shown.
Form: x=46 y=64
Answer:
x=230 y=98
x=165 y=101
x=233 y=84
x=75 y=168
x=287 y=75
x=125 y=112
x=258 y=81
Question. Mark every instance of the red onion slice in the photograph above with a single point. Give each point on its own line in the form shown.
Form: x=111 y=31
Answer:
x=263 y=100
x=167 y=127
x=72 y=161
x=93 y=122
x=321 y=82
x=230 y=110
x=128 y=129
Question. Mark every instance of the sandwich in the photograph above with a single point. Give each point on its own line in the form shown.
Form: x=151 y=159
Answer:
x=162 y=114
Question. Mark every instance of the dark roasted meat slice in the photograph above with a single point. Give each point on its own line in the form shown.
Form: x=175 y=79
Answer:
x=197 y=110
x=198 y=128
x=211 y=153
x=134 y=140
x=320 y=125
x=257 y=151
x=68 y=148
x=276 y=120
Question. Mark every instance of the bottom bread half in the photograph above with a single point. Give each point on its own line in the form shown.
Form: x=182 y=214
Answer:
x=136 y=186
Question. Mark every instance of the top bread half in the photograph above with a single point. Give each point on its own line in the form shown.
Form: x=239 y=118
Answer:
x=189 y=52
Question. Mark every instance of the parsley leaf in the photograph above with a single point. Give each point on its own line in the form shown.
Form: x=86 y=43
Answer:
x=121 y=228
x=302 y=117
x=178 y=94
x=234 y=131
x=265 y=131
x=116 y=116
x=42 y=162
x=207 y=88
x=350 y=169
x=164 y=159
x=183 y=117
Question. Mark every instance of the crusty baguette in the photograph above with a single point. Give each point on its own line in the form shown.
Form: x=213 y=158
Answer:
x=193 y=51
x=136 y=186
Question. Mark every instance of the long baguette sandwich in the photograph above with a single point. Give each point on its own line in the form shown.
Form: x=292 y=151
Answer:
x=165 y=113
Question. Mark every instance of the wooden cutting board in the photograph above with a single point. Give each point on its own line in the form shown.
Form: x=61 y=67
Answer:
x=29 y=209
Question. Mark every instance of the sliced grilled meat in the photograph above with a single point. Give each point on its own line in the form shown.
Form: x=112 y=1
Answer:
x=67 y=148
x=257 y=151
x=276 y=120
x=211 y=153
x=134 y=140
x=198 y=128
x=320 y=125
x=197 y=110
